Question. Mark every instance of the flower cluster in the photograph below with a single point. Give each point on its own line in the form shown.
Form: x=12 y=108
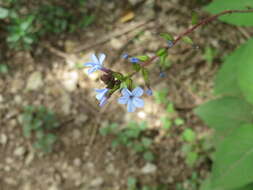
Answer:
x=117 y=81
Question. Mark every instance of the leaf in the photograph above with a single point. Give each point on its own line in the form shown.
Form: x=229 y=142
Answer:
x=233 y=166
x=3 y=13
x=161 y=52
x=225 y=114
x=227 y=82
x=191 y=158
x=189 y=135
x=149 y=156
x=142 y=57
x=240 y=19
x=245 y=70
x=145 y=74
x=166 y=36
x=187 y=40
x=3 y=69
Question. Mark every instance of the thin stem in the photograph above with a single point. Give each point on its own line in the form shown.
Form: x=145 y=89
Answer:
x=193 y=28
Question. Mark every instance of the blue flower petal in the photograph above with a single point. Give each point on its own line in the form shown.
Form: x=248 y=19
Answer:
x=94 y=58
x=130 y=106
x=101 y=58
x=138 y=102
x=137 y=91
x=101 y=93
x=123 y=100
x=89 y=64
x=103 y=101
x=149 y=92
x=91 y=70
x=126 y=92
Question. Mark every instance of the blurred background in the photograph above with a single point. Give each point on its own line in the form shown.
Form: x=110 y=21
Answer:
x=53 y=134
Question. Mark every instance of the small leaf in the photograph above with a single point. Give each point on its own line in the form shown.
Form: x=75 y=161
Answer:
x=131 y=182
x=179 y=121
x=161 y=52
x=189 y=135
x=191 y=158
x=145 y=74
x=166 y=36
x=146 y=142
x=187 y=40
x=118 y=76
x=3 y=69
x=3 y=13
x=142 y=57
x=149 y=156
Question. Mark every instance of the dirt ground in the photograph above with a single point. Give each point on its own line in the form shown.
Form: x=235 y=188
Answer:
x=82 y=159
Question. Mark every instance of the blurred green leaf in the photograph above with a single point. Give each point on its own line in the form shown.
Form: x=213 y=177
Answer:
x=166 y=36
x=3 y=13
x=189 y=135
x=187 y=40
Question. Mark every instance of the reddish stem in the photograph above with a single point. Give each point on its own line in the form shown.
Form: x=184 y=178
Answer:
x=190 y=30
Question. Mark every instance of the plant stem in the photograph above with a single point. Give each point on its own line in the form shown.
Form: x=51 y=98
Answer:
x=193 y=28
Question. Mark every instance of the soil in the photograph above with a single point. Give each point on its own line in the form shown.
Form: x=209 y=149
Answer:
x=82 y=159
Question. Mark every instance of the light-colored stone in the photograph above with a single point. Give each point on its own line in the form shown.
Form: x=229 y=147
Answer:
x=19 y=151
x=76 y=134
x=149 y=169
x=116 y=43
x=97 y=182
x=34 y=81
x=3 y=139
x=70 y=80
x=77 y=162
x=29 y=158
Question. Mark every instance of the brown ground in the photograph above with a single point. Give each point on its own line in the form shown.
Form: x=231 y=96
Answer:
x=82 y=159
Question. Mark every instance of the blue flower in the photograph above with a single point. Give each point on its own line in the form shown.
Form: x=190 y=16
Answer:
x=125 y=56
x=131 y=98
x=134 y=60
x=162 y=74
x=101 y=96
x=170 y=43
x=96 y=64
x=149 y=92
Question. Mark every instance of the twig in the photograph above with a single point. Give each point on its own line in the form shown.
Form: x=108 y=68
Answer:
x=110 y=36
x=193 y=28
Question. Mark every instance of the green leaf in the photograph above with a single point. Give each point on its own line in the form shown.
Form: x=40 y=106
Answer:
x=236 y=65
x=189 y=135
x=131 y=182
x=3 y=69
x=233 y=166
x=161 y=52
x=187 y=40
x=225 y=114
x=240 y=19
x=191 y=158
x=118 y=76
x=142 y=57
x=145 y=74
x=245 y=70
x=209 y=54
x=149 y=156
x=146 y=142
x=179 y=121
x=3 y=13
x=166 y=36
x=166 y=123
